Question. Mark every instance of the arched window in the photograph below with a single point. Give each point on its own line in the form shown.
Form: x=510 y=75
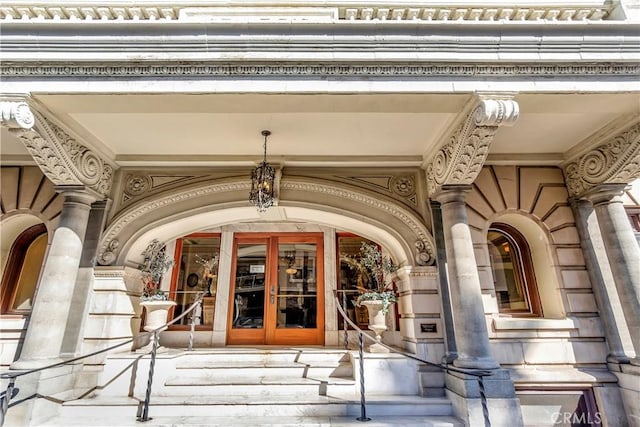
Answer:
x=22 y=270
x=512 y=269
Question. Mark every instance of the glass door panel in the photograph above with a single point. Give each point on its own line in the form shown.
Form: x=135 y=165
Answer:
x=297 y=297
x=277 y=295
x=248 y=302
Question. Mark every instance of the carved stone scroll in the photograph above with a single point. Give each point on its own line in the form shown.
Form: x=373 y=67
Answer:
x=616 y=161
x=60 y=157
x=459 y=161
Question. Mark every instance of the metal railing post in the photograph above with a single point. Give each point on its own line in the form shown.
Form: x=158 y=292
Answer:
x=483 y=401
x=152 y=363
x=193 y=324
x=344 y=323
x=4 y=404
x=363 y=403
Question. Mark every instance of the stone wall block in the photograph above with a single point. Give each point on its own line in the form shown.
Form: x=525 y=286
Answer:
x=570 y=256
x=508 y=353
x=548 y=351
x=582 y=302
x=576 y=279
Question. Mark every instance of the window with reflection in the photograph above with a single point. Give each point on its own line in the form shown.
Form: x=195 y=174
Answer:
x=22 y=270
x=198 y=256
x=248 y=298
x=297 y=293
x=512 y=269
x=349 y=280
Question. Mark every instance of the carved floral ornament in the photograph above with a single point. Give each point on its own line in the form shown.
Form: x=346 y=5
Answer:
x=460 y=160
x=616 y=161
x=61 y=158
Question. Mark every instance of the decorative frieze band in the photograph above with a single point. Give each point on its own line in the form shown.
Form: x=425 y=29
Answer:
x=377 y=11
x=127 y=70
x=460 y=160
x=616 y=161
x=60 y=157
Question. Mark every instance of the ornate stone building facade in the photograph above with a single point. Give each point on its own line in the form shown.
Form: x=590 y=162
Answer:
x=491 y=150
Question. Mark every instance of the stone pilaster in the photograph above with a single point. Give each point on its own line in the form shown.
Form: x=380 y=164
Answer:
x=53 y=302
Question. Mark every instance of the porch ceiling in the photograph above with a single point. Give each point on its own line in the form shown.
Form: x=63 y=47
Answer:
x=322 y=128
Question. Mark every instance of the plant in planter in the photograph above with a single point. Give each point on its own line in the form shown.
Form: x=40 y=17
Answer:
x=375 y=292
x=373 y=269
x=156 y=262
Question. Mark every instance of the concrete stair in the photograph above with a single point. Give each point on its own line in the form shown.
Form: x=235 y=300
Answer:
x=247 y=386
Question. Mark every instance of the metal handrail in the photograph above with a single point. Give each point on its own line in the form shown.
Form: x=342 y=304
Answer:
x=12 y=375
x=478 y=373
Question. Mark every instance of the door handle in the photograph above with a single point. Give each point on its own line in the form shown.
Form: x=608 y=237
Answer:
x=272 y=293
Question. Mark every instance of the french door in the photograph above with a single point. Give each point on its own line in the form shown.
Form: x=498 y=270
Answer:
x=277 y=294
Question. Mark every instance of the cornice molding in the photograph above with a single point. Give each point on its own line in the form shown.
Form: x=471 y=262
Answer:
x=63 y=160
x=459 y=161
x=615 y=161
x=331 y=11
x=344 y=70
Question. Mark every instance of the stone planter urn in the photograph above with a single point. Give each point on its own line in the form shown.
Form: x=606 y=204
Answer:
x=377 y=323
x=157 y=312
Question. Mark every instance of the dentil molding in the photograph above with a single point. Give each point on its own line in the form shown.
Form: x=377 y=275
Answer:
x=460 y=160
x=615 y=161
x=309 y=12
x=345 y=70
x=61 y=158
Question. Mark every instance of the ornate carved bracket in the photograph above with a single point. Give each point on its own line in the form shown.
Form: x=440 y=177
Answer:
x=62 y=159
x=459 y=161
x=616 y=161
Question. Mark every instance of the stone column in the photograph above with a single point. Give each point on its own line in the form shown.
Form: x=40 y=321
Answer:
x=600 y=275
x=72 y=343
x=53 y=301
x=623 y=253
x=472 y=338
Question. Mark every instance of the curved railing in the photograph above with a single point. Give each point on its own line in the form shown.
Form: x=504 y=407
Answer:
x=8 y=394
x=478 y=373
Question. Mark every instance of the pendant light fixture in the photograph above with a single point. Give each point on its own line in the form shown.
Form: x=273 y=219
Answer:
x=262 y=180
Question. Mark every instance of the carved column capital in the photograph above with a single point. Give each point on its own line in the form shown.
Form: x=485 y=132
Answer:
x=61 y=158
x=615 y=161
x=459 y=161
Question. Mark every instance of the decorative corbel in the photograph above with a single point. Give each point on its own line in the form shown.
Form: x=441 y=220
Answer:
x=60 y=157
x=614 y=161
x=459 y=161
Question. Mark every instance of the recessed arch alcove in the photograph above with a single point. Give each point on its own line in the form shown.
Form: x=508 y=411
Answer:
x=199 y=207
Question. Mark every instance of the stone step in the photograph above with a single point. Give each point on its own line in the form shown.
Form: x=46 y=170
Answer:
x=240 y=405
x=259 y=386
x=310 y=356
x=259 y=369
x=248 y=421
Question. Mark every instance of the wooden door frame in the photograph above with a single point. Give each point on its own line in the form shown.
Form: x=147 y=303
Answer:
x=269 y=334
